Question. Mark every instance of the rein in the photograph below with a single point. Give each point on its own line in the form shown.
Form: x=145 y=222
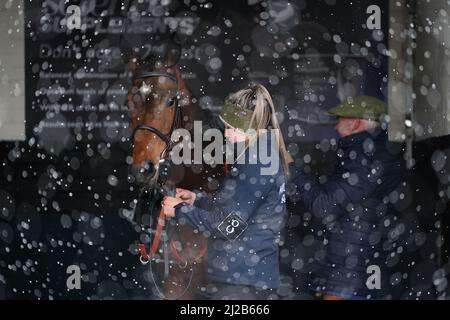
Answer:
x=160 y=233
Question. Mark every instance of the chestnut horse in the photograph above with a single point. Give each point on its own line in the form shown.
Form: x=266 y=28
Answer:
x=159 y=102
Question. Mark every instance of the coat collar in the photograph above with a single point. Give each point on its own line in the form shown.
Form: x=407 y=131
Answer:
x=358 y=138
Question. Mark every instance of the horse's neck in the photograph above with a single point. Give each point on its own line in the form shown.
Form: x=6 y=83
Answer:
x=191 y=110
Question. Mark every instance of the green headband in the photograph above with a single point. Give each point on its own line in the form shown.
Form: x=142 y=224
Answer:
x=236 y=116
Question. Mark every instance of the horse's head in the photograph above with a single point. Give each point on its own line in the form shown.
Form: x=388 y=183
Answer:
x=152 y=103
x=155 y=99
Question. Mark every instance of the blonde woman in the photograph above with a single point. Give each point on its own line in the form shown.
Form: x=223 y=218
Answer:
x=244 y=218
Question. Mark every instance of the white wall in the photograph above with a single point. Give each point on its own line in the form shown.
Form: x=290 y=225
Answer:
x=432 y=66
x=426 y=73
x=12 y=70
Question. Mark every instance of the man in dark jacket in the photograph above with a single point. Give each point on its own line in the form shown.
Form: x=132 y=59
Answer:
x=353 y=203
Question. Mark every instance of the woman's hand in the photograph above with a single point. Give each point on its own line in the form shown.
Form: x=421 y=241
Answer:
x=168 y=205
x=185 y=195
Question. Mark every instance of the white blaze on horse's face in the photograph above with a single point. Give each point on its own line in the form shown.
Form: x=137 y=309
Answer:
x=145 y=90
x=159 y=90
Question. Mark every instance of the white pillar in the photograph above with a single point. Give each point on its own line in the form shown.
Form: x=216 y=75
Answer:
x=12 y=71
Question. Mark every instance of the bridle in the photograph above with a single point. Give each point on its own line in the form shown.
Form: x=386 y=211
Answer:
x=177 y=116
x=160 y=233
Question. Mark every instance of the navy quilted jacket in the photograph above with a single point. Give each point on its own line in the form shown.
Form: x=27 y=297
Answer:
x=354 y=205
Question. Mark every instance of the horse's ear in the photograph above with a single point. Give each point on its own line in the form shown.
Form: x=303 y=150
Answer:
x=133 y=64
x=173 y=52
x=130 y=54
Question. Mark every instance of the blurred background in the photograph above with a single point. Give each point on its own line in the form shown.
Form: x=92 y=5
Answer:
x=65 y=190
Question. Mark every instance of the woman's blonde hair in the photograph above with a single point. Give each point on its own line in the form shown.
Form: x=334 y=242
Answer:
x=257 y=98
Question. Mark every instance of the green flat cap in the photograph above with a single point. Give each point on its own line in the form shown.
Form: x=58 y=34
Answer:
x=236 y=116
x=362 y=107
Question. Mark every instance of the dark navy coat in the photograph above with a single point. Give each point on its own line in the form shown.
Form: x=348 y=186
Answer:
x=259 y=201
x=354 y=204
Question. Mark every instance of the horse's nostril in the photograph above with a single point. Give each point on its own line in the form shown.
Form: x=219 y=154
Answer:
x=147 y=169
x=143 y=173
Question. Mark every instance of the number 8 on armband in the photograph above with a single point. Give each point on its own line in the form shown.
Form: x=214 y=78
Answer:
x=232 y=226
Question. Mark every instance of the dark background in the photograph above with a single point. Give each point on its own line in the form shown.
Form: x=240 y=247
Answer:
x=64 y=193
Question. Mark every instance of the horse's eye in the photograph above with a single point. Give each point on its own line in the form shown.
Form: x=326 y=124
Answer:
x=170 y=101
